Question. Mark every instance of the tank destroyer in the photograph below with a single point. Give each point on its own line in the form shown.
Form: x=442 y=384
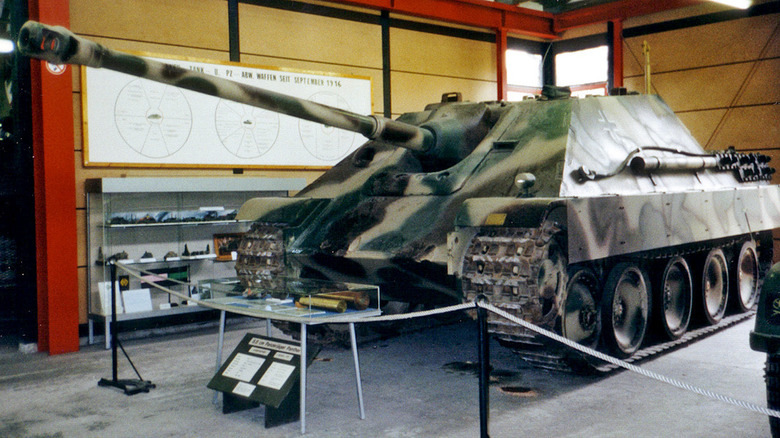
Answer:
x=599 y=218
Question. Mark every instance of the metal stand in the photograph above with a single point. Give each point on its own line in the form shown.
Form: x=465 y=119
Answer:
x=304 y=363
x=484 y=368
x=220 y=340
x=129 y=386
x=353 y=341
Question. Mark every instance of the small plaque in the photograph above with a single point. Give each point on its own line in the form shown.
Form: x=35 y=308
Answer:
x=495 y=219
x=243 y=388
x=243 y=367
x=137 y=300
x=276 y=375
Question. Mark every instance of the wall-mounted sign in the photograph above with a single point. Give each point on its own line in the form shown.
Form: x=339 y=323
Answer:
x=129 y=121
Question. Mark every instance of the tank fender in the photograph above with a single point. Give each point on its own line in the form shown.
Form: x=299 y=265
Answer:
x=507 y=212
x=498 y=212
x=766 y=336
x=289 y=211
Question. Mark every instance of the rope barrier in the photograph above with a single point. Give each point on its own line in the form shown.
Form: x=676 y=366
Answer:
x=628 y=366
x=323 y=320
x=465 y=306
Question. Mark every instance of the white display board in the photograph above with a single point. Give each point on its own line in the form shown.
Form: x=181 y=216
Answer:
x=129 y=121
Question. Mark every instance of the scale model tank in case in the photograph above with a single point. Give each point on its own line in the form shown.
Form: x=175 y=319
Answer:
x=600 y=218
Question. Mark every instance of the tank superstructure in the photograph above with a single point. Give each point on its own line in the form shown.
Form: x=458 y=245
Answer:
x=591 y=217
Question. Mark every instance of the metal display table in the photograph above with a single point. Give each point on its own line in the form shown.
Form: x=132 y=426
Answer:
x=303 y=301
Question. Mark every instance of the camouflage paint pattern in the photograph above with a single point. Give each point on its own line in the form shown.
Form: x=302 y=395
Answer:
x=653 y=221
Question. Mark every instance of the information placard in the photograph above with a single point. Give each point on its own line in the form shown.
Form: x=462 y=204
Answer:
x=129 y=121
x=260 y=369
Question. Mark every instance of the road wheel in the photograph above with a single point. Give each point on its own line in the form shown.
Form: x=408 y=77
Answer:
x=714 y=286
x=745 y=278
x=675 y=298
x=625 y=308
x=580 y=315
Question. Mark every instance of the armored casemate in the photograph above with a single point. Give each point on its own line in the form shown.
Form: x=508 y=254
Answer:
x=599 y=218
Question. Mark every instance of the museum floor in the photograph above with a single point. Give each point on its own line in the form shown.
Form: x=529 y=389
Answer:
x=414 y=386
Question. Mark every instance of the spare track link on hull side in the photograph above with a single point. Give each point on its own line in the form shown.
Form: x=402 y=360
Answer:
x=506 y=265
x=261 y=256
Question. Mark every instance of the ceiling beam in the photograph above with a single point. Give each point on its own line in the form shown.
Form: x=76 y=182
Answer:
x=478 y=13
x=517 y=20
x=616 y=10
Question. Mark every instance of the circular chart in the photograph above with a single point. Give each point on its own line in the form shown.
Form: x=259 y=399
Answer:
x=154 y=119
x=245 y=131
x=326 y=142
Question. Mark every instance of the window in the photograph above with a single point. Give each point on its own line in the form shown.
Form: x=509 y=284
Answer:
x=585 y=71
x=524 y=74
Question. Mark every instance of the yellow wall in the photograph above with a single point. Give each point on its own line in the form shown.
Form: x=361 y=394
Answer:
x=424 y=66
x=719 y=78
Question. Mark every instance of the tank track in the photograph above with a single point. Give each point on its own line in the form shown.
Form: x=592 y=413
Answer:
x=260 y=261
x=687 y=338
x=504 y=264
x=559 y=358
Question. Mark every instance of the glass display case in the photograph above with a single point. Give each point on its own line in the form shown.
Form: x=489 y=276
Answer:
x=168 y=230
x=299 y=300
x=285 y=297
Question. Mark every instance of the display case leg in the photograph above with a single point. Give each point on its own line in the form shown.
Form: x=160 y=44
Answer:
x=353 y=341
x=107 y=331
x=91 y=331
x=220 y=342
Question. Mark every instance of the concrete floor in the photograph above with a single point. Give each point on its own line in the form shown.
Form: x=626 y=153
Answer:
x=410 y=390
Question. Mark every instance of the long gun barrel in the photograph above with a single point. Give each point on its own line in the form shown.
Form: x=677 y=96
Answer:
x=60 y=46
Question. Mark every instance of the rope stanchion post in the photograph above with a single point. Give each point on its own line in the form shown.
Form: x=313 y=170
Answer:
x=129 y=386
x=483 y=349
x=114 y=366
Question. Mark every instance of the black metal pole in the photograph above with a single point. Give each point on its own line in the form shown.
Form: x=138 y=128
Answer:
x=484 y=367
x=129 y=386
x=114 y=366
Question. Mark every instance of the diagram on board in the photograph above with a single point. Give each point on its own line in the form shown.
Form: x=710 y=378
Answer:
x=153 y=119
x=136 y=121
x=245 y=131
x=326 y=142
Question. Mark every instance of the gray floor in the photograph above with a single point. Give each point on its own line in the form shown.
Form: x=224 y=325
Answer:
x=409 y=388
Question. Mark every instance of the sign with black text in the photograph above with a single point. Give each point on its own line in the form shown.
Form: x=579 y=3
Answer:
x=260 y=369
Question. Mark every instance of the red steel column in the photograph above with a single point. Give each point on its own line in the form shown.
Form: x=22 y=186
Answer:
x=501 y=63
x=55 y=193
x=617 y=53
